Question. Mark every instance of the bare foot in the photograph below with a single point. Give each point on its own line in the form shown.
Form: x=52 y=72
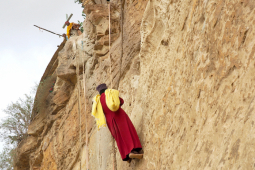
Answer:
x=135 y=156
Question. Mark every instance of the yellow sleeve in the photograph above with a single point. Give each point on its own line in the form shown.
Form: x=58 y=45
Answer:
x=94 y=106
x=68 y=30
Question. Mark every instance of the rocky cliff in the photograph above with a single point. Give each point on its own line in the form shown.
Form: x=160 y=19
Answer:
x=185 y=70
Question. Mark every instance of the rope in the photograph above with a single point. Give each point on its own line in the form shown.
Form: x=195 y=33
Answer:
x=110 y=42
x=113 y=144
x=79 y=100
x=113 y=141
x=114 y=152
x=85 y=105
x=79 y=103
x=121 y=55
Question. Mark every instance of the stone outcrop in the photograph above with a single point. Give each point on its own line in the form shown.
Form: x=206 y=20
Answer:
x=185 y=71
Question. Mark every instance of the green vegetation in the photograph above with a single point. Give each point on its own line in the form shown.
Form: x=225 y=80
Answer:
x=83 y=14
x=7 y=157
x=81 y=23
x=14 y=129
x=78 y=1
x=45 y=88
x=14 y=126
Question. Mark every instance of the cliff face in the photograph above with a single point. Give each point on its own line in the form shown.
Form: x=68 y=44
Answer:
x=186 y=75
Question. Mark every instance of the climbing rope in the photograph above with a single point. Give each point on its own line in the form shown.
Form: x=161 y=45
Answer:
x=79 y=103
x=110 y=42
x=113 y=141
x=121 y=55
x=85 y=110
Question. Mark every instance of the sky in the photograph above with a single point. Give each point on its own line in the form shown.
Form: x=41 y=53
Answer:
x=25 y=51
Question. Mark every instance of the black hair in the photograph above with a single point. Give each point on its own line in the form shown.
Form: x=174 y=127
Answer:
x=102 y=91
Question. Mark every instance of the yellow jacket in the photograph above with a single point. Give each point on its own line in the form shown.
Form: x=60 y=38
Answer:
x=112 y=102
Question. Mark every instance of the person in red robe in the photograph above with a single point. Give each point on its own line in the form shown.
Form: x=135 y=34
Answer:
x=121 y=129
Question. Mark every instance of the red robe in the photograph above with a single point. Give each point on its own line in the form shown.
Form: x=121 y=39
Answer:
x=121 y=129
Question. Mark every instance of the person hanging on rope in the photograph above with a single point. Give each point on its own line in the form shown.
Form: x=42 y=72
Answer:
x=107 y=111
x=72 y=29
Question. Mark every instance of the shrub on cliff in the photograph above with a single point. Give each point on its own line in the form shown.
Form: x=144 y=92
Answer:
x=7 y=158
x=78 y=1
x=83 y=15
x=14 y=125
x=13 y=128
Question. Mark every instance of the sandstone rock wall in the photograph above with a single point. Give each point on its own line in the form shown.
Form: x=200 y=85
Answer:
x=187 y=78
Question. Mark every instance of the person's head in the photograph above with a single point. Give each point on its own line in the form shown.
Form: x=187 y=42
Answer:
x=67 y=23
x=101 y=88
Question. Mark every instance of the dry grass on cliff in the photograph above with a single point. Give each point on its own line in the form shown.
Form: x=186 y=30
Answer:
x=42 y=96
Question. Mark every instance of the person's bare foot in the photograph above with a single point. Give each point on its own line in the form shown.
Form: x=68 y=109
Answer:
x=135 y=156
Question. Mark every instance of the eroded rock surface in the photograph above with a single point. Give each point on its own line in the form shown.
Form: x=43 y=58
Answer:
x=187 y=78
